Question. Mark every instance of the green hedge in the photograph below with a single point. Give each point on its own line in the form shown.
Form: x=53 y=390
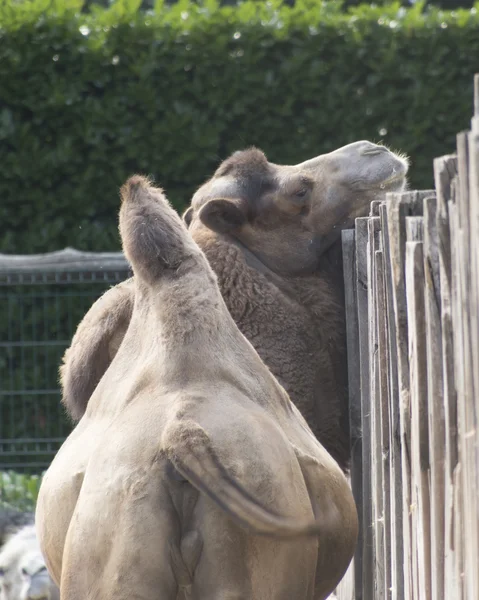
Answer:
x=87 y=99
x=18 y=491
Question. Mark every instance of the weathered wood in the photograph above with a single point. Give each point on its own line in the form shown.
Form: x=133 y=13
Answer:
x=419 y=371
x=453 y=555
x=435 y=397
x=475 y=118
x=445 y=169
x=476 y=95
x=458 y=591
x=396 y=486
x=354 y=382
x=414 y=229
x=382 y=407
x=374 y=208
x=67 y=259
x=376 y=483
x=399 y=206
x=473 y=304
x=474 y=228
x=413 y=232
x=345 y=589
x=419 y=409
x=361 y=235
x=466 y=400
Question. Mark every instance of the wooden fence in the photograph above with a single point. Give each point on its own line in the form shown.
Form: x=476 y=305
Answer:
x=412 y=295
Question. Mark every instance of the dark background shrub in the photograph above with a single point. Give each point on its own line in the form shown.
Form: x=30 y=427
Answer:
x=88 y=98
x=90 y=94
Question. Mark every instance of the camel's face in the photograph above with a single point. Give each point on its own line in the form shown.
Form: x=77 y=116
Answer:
x=288 y=216
x=23 y=574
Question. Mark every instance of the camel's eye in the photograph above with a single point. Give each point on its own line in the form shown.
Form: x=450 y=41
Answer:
x=301 y=193
x=2 y=571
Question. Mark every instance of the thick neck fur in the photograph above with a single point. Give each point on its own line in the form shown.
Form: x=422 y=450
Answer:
x=237 y=268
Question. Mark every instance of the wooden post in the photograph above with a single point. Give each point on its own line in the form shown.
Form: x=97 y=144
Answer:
x=445 y=169
x=473 y=222
x=398 y=207
x=420 y=521
x=396 y=498
x=382 y=407
x=435 y=397
x=362 y=299
x=375 y=447
x=352 y=334
x=466 y=399
x=454 y=550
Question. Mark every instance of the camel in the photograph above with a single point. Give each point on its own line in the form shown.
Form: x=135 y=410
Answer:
x=191 y=474
x=11 y=520
x=271 y=233
x=23 y=573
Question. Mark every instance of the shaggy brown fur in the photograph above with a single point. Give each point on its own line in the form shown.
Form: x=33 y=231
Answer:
x=191 y=465
x=270 y=233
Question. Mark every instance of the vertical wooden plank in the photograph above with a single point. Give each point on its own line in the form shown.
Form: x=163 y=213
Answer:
x=473 y=223
x=396 y=233
x=435 y=399
x=454 y=553
x=468 y=422
x=473 y=305
x=376 y=453
x=352 y=336
x=473 y=313
x=361 y=235
x=374 y=208
x=445 y=169
x=396 y=498
x=383 y=420
x=459 y=588
x=420 y=521
x=461 y=352
x=398 y=206
x=413 y=233
x=476 y=95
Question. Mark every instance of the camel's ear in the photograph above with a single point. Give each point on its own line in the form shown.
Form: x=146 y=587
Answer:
x=187 y=216
x=222 y=215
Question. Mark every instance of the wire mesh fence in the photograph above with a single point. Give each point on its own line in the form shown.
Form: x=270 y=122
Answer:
x=43 y=298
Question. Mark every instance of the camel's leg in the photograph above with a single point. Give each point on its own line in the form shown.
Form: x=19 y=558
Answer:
x=235 y=565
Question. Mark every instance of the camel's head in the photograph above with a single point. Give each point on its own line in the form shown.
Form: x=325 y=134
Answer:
x=288 y=216
x=23 y=573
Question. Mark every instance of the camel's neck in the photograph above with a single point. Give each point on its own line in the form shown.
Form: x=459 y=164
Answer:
x=182 y=306
x=185 y=332
x=241 y=274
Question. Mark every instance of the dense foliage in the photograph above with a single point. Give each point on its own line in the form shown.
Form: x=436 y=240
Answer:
x=445 y=4
x=18 y=490
x=90 y=98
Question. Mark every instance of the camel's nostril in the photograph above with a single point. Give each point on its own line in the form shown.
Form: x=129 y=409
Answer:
x=374 y=150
